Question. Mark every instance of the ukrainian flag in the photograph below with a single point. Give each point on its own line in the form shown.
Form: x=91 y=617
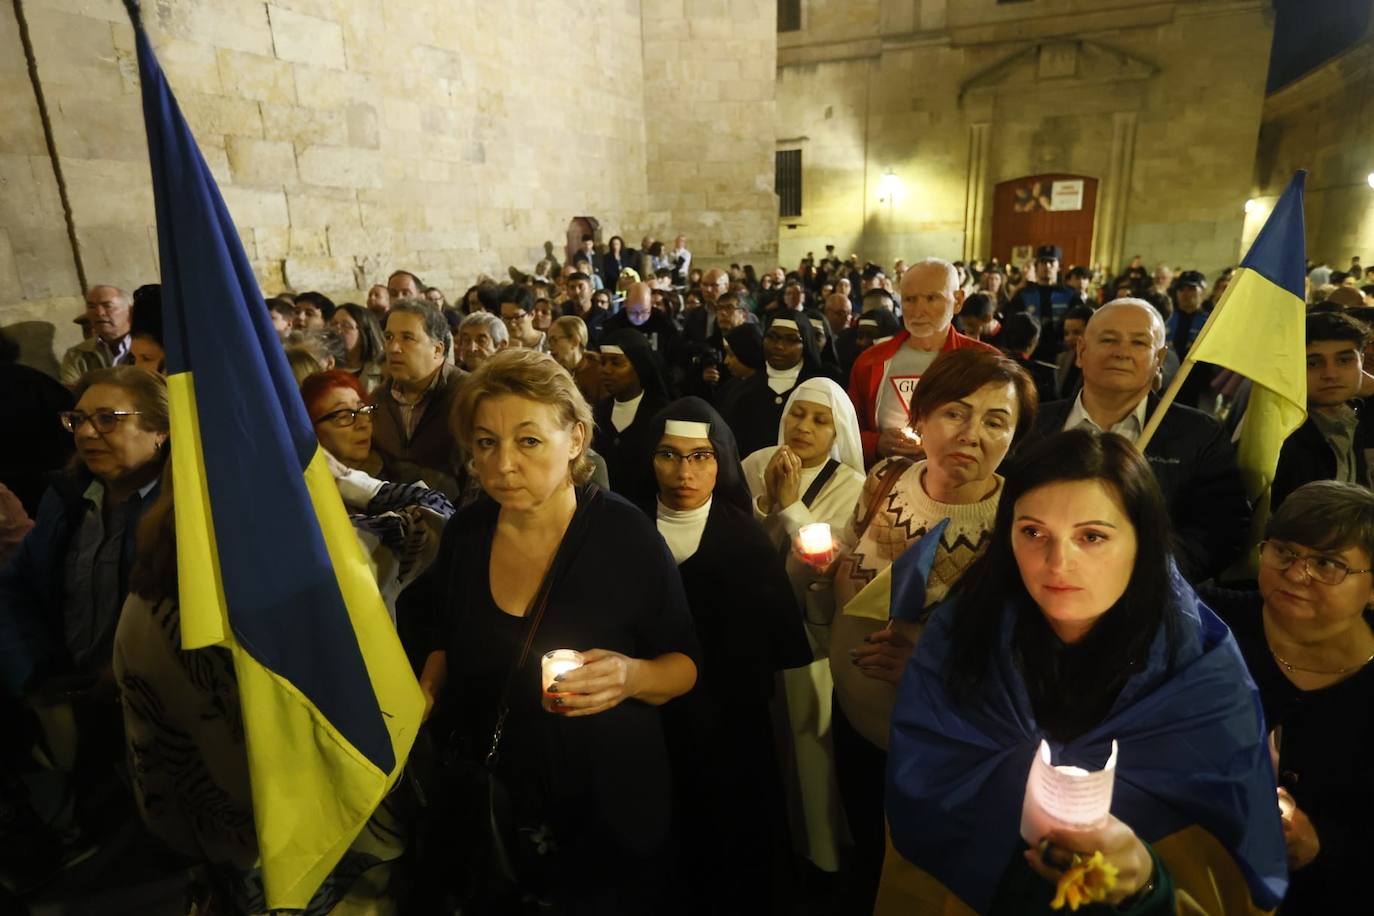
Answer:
x=1258 y=330
x=268 y=563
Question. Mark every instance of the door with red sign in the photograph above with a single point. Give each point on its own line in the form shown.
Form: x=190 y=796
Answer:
x=1054 y=209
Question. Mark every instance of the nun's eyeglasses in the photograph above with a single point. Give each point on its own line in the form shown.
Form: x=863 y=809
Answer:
x=669 y=458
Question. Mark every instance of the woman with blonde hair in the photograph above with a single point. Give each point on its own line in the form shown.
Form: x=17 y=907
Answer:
x=523 y=572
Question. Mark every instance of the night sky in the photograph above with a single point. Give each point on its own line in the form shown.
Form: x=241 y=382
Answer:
x=1308 y=33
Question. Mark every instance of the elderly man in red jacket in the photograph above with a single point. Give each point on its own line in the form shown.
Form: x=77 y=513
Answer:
x=885 y=375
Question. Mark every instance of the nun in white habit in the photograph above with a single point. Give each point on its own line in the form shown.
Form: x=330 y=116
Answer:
x=814 y=474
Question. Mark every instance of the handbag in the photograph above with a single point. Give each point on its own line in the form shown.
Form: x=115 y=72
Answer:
x=895 y=468
x=492 y=852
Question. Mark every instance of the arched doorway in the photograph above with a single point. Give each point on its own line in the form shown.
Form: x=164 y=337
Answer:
x=578 y=227
x=1052 y=209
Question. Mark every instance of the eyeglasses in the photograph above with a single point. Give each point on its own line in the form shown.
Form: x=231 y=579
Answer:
x=102 y=421
x=1318 y=568
x=514 y=319
x=670 y=458
x=347 y=416
x=786 y=340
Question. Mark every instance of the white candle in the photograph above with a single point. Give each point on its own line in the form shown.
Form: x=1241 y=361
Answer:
x=1286 y=807
x=559 y=661
x=815 y=539
x=910 y=434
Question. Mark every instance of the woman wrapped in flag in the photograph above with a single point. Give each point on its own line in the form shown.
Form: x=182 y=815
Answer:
x=1076 y=629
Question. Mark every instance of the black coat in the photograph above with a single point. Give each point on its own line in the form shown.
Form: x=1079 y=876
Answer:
x=629 y=453
x=1195 y=465
x=38 y=443
x=733 y=823
x=1306 y=456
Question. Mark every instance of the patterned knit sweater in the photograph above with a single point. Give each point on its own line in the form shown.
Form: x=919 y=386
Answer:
x=861 y=580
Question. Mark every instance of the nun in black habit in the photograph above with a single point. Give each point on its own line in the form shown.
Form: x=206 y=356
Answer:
x=791 y=356
x=736 y=846
x=631 y=374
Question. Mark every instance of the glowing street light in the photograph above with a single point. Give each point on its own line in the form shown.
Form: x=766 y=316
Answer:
x=888 y=187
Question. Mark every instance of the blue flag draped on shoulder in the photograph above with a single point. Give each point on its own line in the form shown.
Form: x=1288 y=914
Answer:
x=268 y=563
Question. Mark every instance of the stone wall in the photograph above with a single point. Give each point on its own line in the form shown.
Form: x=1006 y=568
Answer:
x=351 y=137
x=709 y=71
x=1319 y=122
x=953 y=98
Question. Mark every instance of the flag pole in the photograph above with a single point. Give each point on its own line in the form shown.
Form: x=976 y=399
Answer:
x=1166 y=401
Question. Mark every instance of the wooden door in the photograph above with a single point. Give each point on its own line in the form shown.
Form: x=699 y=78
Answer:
x=1054 y=209
x=578 y=227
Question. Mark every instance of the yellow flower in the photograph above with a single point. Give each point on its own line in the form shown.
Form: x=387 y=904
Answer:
x=1087 y=881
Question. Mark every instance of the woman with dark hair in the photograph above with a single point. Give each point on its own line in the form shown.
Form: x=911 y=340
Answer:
x=657 y=259
x=1075 y=635
x=32 y=399
x=631 y=375
x=472 y=301
x=145 y=329
x=613 y=261
x=734 y=832
x=362 y=341
x=754 y=408
x=1307 y=635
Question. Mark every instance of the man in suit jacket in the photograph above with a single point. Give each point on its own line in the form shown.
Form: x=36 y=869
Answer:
x=411 y=424
x=1120 y=354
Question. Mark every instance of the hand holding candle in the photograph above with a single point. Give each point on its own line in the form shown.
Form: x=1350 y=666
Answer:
x=815 y=545
x=553 y=666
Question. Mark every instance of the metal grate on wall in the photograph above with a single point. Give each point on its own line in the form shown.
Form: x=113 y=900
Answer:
x=788 y=181
x=789 y=15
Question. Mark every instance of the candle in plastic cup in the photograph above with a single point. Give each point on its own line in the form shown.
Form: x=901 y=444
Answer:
x=1286 y=807
x=815 y=542
x=910 y=434
x=559 y=661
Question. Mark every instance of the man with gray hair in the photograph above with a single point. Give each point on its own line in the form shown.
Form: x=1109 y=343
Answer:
x=410 y=426
x=1121 y=355
x=107 y=310
x=885 y=375
x=480 y=336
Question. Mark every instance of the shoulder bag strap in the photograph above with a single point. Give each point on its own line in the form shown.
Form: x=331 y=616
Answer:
x=896 y=467
x=823 y=478
x=538 y=605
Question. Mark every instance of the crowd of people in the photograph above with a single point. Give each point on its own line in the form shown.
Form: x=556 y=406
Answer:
x=631 y=457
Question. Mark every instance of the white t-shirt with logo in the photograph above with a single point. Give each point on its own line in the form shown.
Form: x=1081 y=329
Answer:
x=900 y=376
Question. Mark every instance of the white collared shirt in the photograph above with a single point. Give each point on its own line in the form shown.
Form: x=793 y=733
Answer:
x=1129 y=427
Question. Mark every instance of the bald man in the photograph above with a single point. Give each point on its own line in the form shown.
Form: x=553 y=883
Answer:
x=638 y=313
x=1121 y=355
x=107 y=310
x=885 y=375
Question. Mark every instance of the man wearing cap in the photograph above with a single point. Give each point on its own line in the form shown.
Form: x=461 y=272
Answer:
x=885 y=375
x=107 y=310
x=1047 y=299
x=1182 y=329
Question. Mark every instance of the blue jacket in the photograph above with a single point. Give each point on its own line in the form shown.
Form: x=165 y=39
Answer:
x=31 y=640
x=1193 y=778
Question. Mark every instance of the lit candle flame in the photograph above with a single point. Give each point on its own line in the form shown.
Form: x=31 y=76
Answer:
x=816 y=539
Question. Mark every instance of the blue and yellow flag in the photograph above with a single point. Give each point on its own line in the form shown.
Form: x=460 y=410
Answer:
x=268 y=563
x=1258 y=330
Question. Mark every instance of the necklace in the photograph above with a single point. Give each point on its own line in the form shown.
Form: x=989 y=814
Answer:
x=1292 y=667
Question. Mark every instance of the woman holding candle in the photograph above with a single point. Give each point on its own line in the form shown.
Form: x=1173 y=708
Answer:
x=1075 y=627
x=734 y=833
x=590 y=783
x=972 y=405
x=811 y=480
x=1307 y=636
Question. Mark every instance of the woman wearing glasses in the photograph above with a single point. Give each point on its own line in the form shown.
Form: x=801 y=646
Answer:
x=62 y=590
x=726 y=773
x=398 y=516
x=1307 y=636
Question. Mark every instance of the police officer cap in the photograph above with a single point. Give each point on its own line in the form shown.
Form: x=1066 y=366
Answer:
x=1192 y=278
x=1048 y=253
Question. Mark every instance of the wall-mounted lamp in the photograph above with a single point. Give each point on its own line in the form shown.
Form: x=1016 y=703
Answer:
x=1251 y=206
x=888 y=187
x=1370 y=179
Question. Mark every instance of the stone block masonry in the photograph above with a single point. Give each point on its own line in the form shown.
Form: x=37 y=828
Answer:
x=350 y=137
